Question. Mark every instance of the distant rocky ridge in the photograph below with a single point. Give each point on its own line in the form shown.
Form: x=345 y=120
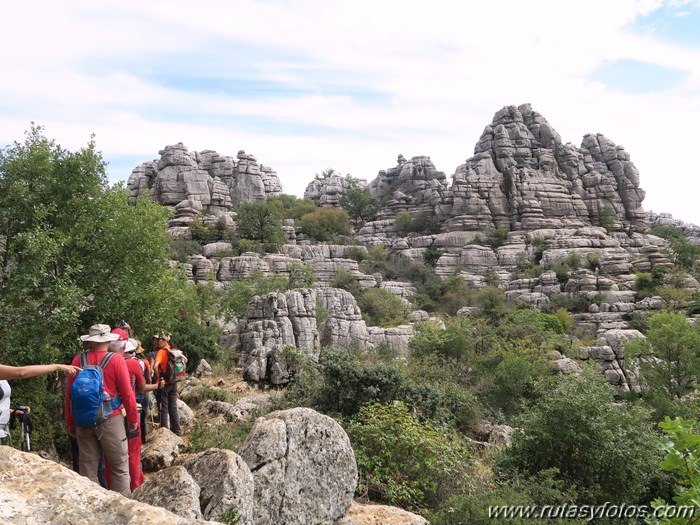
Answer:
x=205 y=177
x=554 y=202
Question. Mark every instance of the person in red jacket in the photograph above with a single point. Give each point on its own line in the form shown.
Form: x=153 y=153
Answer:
x=109 y=436
x=127 y=348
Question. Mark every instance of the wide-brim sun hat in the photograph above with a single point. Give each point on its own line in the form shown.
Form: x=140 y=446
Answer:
x=162 y=335
x=139 y=348
x=131 y=345
x=99 y=333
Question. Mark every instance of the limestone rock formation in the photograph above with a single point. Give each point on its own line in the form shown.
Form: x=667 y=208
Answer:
x=523 y=177
x=34 y=490
x=205 y=178
x=609 y=353
x=161 y=450
x=329 y=190
x=415 y=186
x=225 y=481
x=174 y=490
x=274 y=323
x=303 y=468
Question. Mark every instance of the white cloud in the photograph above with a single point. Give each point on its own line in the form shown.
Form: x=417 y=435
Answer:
x=383 y=77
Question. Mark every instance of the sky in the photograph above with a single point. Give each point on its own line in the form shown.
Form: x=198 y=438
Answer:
x=306 y=85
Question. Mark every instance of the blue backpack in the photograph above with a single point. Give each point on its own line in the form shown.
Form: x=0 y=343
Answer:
x=90 y=403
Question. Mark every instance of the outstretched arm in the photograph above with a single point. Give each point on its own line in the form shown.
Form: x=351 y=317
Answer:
x=24 y=372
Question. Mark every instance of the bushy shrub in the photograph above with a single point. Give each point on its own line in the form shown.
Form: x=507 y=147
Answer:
x=357 y=253
x=260 y=221
x=593 y=261
x=235 y=299
x=454 y=339
x=474 y=508
x=494 y=238
x=197 y=340
x=362 y=382
x=347 y=281
x=359 y=203
x=380 y=307
x=181 y=249
x=597 y=445
x=431 y=256
x=229 y=436
x=405 y=462
x=456 y=293
x=324 y=224
x=424 y=223
x=300 y=275
x=290 y=206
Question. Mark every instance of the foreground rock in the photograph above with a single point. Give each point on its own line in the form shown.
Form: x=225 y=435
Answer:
x=35 y=490
x=225 y=482
x=161 y=450
x=303 y=468
x=361 y=514
x=173 y=489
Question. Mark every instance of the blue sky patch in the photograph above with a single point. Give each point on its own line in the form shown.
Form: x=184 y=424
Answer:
x=633 y=76
x=675 y=24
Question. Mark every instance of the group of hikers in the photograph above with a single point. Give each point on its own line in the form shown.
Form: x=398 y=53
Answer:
x=107 y=401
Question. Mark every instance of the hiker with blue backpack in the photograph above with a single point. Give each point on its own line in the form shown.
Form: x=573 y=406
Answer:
x=98 y=399
x=168 y=365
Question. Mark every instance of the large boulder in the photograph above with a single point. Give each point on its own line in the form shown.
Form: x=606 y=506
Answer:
x=225 y=482
x=34 y=490
x=276 y=328
x=173 y=489
x=161 y=450
x=303 y=467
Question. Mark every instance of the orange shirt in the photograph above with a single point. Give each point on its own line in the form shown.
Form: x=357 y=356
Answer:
x=161 y=362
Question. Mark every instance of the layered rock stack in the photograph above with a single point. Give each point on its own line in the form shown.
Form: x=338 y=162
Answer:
x=214 y=181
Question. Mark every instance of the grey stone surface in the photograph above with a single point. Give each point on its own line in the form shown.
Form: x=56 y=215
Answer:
x=303 y=468
x=173 y=489
x=225 y=482
x=34 y=490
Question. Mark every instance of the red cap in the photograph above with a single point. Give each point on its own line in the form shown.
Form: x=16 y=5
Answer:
x=121 y=333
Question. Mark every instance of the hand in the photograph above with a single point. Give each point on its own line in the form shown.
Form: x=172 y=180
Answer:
x=68 y=369
x=161 y=383
x=21 y=410
x=71 y=432
x=133 y=431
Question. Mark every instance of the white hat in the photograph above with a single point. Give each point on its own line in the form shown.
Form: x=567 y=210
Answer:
x=131 y=345
x=100 y=333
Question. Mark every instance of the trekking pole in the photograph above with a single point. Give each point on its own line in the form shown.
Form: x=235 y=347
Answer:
x=25 y=433
x=150 y=409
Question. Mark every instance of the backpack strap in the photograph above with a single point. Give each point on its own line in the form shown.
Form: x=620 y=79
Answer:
x=106 y=359
x=116 y=400
x=83 y=360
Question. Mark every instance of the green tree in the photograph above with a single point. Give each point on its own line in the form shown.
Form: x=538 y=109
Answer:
x=598 y=446
x=300 y=275
x=380 y=307
x=669 y=357
x=291 y=206
x=260 y=221
x=359 y=204
x=74 y=252
x=681 y=448
x=324 y=224
x=235 y=299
